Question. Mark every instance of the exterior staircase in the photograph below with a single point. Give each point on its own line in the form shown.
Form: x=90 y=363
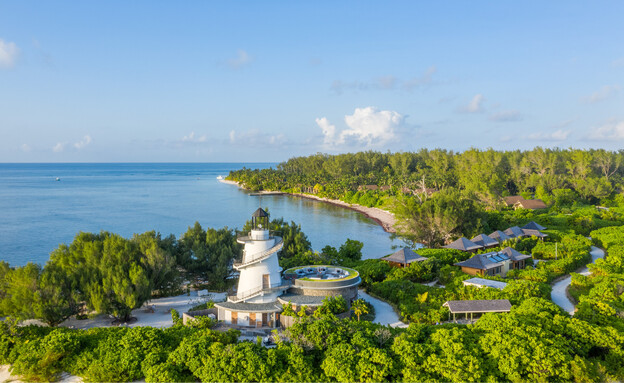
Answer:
x=260 y=290
x=259 y=257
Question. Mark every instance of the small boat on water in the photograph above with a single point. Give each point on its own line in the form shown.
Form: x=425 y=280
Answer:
x=57 y=179
x=219 y=178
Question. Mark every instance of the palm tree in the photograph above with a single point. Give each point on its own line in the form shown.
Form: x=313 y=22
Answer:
x=359 y=307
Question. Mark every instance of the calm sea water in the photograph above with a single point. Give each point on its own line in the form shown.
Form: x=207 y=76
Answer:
x=37 y=213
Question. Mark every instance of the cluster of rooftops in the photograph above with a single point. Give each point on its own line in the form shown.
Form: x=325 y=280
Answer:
x=483 y=241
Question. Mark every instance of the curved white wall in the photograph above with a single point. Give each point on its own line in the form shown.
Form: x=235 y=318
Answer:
x=251 y=276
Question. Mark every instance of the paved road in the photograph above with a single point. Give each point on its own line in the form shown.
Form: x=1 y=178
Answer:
x=384 y=314
x=558 y=294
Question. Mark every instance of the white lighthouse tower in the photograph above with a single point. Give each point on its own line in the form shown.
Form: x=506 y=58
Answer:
x=260 y=274
x=260 y=283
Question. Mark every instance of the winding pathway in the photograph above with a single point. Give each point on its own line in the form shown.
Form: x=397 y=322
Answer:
x=384 y=313
x=558 y=294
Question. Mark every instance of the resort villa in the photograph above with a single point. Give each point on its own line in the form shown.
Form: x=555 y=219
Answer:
x=494 y=263
x=261 y=289
x=403 y=258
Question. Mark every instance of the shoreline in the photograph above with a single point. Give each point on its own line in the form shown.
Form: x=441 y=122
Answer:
x=383 y=218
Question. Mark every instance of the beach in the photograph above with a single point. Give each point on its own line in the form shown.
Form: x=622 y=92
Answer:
x=383 y=218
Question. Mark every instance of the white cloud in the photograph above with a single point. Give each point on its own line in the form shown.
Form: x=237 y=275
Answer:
x=475 y=105
x=192 y=139
x=59 y=147
x=506 y=116
x=25 y=148
x=558 y=135
x=329 y=130
x=8 y=54
x=367 y=126
x=602 y=94
x=242 y=58
x=612 y=130
x=84 y=142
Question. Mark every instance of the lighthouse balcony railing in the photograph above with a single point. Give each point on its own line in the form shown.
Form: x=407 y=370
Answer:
x=254 y=258
x=260 y=290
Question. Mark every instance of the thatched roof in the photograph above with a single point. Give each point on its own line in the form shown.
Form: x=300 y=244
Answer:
x=404 y=256
x=479 y=306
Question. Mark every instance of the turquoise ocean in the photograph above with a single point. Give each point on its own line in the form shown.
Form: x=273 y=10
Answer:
x=44 y=205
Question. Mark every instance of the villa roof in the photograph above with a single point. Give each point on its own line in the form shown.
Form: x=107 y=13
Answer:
x=404 y=256
x=514 y=254
x=531 y=204
x=479 y=306
x=260 y=213
x=533 y=226
x=463 y=244
x=536 y=233
x=481 y=282
x=481 y=262
x=499 y=236
x=515 y=232
x=511 y=200
x=484 y=240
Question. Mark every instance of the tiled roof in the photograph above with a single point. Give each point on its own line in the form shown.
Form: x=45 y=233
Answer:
x=536 y=233
x=481 y=262
x=531 y=204
x=260 y=213
x=514 y=254
x=511 y=200
x=499 y=236
x=484 y=240
x=463 y=244
x=515 y=232
x=533 y=226
x=405 y=256
x=479 y=306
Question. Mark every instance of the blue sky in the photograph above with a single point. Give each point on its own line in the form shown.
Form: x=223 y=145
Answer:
x=264 y=81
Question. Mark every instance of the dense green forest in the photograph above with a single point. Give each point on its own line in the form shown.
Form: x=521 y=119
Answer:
x=439 y=195
x=537 y=341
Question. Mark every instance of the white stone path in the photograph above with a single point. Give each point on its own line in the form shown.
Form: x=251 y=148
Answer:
x=558 y=294
x=384 y=313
